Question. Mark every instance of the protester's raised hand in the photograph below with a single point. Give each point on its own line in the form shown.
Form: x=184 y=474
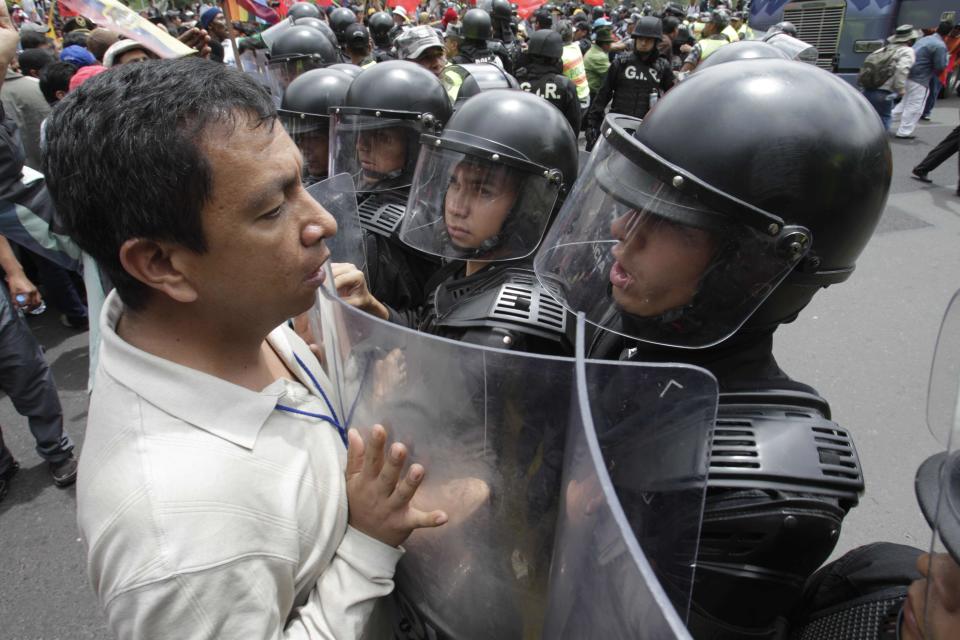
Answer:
x=377 y=495
x=196 y=39
x=351 y=286
x=9 y=37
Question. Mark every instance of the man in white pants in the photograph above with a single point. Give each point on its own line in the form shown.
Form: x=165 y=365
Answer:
x=931 y=60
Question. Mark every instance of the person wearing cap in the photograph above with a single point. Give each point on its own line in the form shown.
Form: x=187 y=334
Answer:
x=931 y=60
x=573 y=64
x=215 y=24
x=356 y=44
x=422 y=45
x=596 y=62
x=634 y=80
x=711 y=39
x=125 y=52
x=451 y=40
x=900 y=47
x=581 y=33
x=78 y=23
x=100 y=40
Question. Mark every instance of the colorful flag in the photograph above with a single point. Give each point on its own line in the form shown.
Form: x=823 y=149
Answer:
x=112 y=15
x=410 y=5
x=260 y=9
x=526 y=7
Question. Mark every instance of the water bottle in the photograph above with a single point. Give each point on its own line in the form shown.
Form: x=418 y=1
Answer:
x=22 y=300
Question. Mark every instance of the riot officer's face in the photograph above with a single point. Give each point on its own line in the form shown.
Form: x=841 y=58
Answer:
x=644 y=45
x=382 y=152
x=477 y=203
x=659 y=264
x=314 y=146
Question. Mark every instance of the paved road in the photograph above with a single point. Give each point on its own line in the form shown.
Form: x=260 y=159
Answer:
x=866 y=345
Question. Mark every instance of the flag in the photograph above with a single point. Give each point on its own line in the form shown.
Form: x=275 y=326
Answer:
x=112 y=15
x=410 y=5
x=525 y=8
x=64 y=10
x=260 y=9
x=51 y=32
x=234 y=11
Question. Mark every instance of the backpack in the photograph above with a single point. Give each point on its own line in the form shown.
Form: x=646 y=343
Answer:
x=878 y=67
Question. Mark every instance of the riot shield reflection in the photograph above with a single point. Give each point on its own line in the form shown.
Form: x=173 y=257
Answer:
x=488 y=426
x=635 y=474
x=337 y=196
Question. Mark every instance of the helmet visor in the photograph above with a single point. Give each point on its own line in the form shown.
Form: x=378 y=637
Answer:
x=311 y=133
x=463 y=206
x=280 y=73
x=642 y=258
x=379 y=152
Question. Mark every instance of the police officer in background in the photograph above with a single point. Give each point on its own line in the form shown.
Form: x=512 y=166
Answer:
x=501 y=16
x=699 y=252
x=634 y=81
x=356 y=44
x=303 y=113
x=380 y=25
x=475 y=41
x=542 y=74
x=375 y=137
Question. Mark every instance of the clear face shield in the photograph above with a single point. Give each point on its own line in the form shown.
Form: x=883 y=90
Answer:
x=932 y=602
x=472 y=204
x=280 y=73
x=379 y=151
x=311 y=133
x=648 y=252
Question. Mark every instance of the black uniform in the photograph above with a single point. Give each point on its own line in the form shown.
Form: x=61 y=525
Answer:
x=473 y=51
x=630 y=80
x=382 y=54
x=548 y=82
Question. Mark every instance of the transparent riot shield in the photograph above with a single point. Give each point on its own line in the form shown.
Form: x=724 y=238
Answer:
x=488 y=426
x=938 y=484
x=635 y=475
x=336 y=195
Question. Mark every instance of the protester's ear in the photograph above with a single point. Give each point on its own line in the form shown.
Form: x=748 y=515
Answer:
x=154 y=264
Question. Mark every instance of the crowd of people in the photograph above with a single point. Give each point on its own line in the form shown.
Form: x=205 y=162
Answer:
x=219 y=490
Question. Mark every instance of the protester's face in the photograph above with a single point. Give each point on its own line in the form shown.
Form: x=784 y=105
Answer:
x=477 y=202
x=644 y=45
x=433 y=60
x=382 y=152
x=314 y=147
x=136 y=55
x=659 y=264
x=451 y=46
x=219 y=26
x=264 y=232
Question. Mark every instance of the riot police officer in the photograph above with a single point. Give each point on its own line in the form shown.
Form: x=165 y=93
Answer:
x=712 y=38
x=375 y=138
x=380 y=25
x=542 y=74
x=483 y=195
x=475 y=35
x=295 y=51
x=339 y=19
x=700 y=250
x=635 y=80
x=303 y=113
x=501 y=16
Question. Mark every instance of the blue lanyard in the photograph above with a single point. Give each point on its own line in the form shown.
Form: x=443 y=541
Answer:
x=332 y=418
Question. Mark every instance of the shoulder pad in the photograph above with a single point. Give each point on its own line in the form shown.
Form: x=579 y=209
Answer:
x=382 y=213
x=510 y=298
x=783 y=441
x=624 y=57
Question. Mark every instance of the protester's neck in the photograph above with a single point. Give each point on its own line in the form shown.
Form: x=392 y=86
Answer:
x=231 y=351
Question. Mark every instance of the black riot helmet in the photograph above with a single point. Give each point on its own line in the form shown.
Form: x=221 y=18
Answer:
x=304 y=114
x=476 y=25
x=348 y=68
x=340 y=19
x=375 y=134
x=755 y=218
x=486 y=189
x=500 y=9
x=545 y=43
x=320 y=26
x=785 y=27
x=295 y=51
x=303 y=10
x=380 y=25
x=648 y=27
x=673 y=9
x=467 y=80
x=744 y=50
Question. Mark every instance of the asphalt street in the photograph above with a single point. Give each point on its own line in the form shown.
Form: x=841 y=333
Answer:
x=866 y=345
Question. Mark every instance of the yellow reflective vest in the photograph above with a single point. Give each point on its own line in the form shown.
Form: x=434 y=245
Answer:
x=573 y=68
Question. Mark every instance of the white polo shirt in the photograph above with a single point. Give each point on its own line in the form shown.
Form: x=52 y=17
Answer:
x=208 y=513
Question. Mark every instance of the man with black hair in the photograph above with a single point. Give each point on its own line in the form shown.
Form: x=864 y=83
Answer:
x=34 y=40
x=208 y=414
x=32 y=61
x=55 y=81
